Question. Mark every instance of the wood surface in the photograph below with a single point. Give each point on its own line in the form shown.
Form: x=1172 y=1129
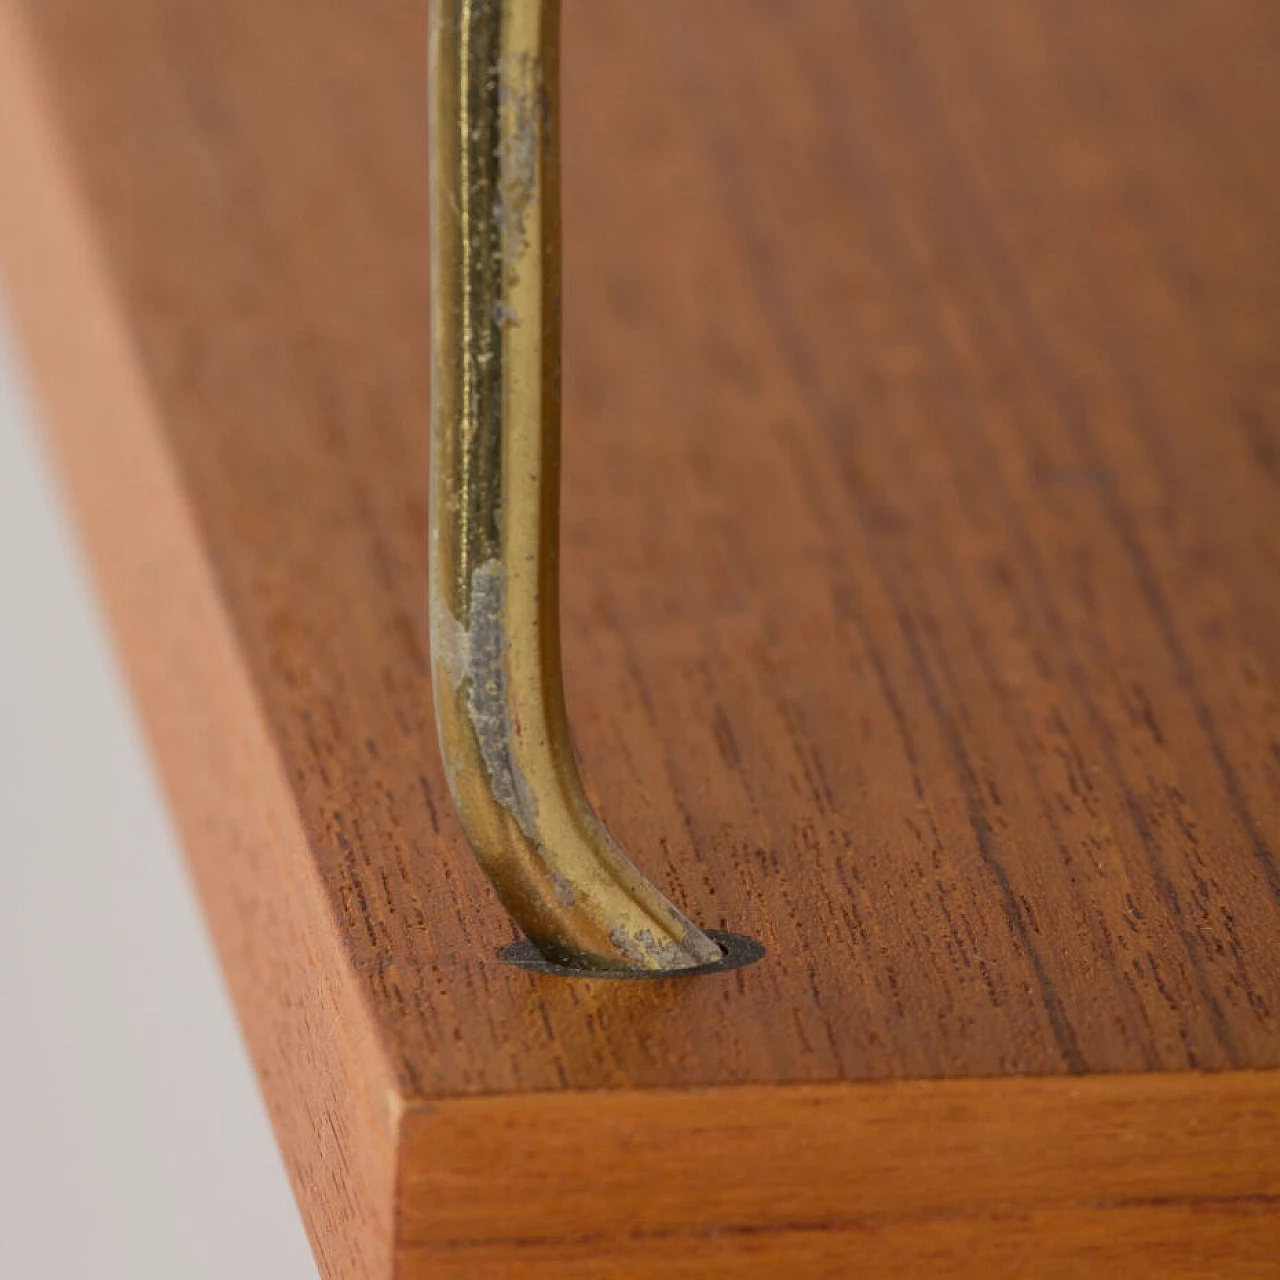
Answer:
x=921 y=598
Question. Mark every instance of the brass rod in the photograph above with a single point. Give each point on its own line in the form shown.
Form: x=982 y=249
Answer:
x=495 y=495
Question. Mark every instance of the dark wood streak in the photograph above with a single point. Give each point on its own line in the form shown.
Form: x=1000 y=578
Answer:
x=981 y=222
x=867 y=185
x=776 y=307
x=981 y=218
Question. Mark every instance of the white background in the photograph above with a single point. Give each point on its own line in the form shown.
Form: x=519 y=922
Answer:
x=133 y=1145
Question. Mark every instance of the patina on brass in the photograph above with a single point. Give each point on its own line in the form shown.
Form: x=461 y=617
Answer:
x=495 y=638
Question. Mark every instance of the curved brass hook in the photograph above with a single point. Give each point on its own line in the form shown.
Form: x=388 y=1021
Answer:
x=495 y=629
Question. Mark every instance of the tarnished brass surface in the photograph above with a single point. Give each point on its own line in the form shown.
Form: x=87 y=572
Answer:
x=495 y=639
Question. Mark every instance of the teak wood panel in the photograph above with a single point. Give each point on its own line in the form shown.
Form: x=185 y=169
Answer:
x=921 y=590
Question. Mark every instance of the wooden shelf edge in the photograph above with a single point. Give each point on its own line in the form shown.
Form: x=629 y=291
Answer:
x=1161 y=1175
x=329 y=1094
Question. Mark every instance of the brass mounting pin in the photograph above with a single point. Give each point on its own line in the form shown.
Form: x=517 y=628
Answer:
x=495 y=495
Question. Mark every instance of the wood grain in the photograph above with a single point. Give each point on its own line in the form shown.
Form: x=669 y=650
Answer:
x=1047 y=1177
x=921 y=593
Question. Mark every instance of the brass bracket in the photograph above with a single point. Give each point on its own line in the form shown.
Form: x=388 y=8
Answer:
x=495 y=495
